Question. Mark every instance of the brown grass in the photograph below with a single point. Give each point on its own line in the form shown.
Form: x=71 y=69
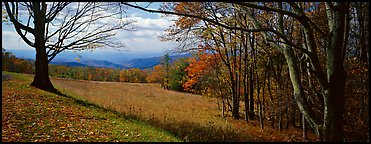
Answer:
x=188 y=116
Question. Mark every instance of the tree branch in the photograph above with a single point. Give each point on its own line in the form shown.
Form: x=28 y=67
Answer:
x=19 y=26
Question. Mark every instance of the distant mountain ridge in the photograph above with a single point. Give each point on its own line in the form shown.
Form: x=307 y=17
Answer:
x=91 y=63
x=124 y=62
x=141 y=63
x=103 y=63
x=69 y=64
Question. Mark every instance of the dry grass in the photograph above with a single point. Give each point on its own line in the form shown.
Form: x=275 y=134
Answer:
x=190 y=117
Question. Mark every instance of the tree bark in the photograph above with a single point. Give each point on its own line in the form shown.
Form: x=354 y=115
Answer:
x=251 y=83
x=271 y=108
x=304 y=107
x=334 y=100
x=41 y=79
x=294 y=72
x=245 y=77
x=305 y=138
x=278 y=89
x=362 y=33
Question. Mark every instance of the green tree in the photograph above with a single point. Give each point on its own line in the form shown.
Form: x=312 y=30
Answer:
x=165 y=62
x=177 y=74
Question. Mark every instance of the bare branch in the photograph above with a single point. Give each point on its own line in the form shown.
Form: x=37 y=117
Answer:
x=55 y=10
x=17 y=25
x=285 y=12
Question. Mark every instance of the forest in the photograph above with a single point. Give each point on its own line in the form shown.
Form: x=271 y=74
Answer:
x=294 y=65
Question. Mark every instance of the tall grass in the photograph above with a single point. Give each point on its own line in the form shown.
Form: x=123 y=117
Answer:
x=188 y=116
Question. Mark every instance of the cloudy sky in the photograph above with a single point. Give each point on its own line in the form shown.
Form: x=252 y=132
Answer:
x=143 y=42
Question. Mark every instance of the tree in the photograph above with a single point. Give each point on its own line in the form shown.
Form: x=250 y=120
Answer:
x=11 y=63
x=327 y=39
x=157 y=75
x=60 y=26
x=133 y=75
x=177 y=74
x=165 y=62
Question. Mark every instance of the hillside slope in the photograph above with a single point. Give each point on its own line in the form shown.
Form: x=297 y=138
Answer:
x=33 y=115
x=192 y=118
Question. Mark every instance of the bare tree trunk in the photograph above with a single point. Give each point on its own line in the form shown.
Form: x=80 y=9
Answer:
x=245 y=76
x=251 y=83
x=246 y=103
x=362 y=33
x=293 y=119
x=298 y=91
x=252 y=113
x=305 y=138
x=287 y=113
x=41 y=79
x=334 y=100
x=246 y=90
x=271 y=109
x=288 y=103
x=261 y=102
x=223 y=106
x=223 y=99
x=279 y=107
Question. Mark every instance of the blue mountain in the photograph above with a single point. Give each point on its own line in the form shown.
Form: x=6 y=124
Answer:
x=123 y=62
x=74 y=64
x=143 y=63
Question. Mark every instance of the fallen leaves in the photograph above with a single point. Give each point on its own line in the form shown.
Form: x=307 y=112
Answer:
x=33 y=115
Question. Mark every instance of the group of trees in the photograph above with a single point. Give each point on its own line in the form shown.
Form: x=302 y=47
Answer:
x=273 y=60
x=133 y=75
x=171 y=75
x=13 y=64
x=84 y=73
x=175 y=76
x=295 y=53
x=176 y=73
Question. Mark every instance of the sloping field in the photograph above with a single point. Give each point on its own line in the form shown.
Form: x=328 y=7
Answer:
x=33 y=115
x=189 y=117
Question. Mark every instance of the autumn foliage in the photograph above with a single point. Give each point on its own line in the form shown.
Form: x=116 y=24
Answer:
x=199 y=67
x=13 y=64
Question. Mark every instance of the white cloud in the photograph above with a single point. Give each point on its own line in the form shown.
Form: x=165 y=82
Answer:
x=149 y=23
x=145 y=38
x=141 y=42
x=11 y=40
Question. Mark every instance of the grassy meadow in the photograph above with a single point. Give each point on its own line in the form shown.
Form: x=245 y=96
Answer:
x=189 y=117
x=86 y=111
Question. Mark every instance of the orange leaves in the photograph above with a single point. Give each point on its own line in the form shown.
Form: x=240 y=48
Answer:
x=186 y=8
x=188 y=84
x=180 y=7
x=185 y=22
x=198 y=68
x=156 y=76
